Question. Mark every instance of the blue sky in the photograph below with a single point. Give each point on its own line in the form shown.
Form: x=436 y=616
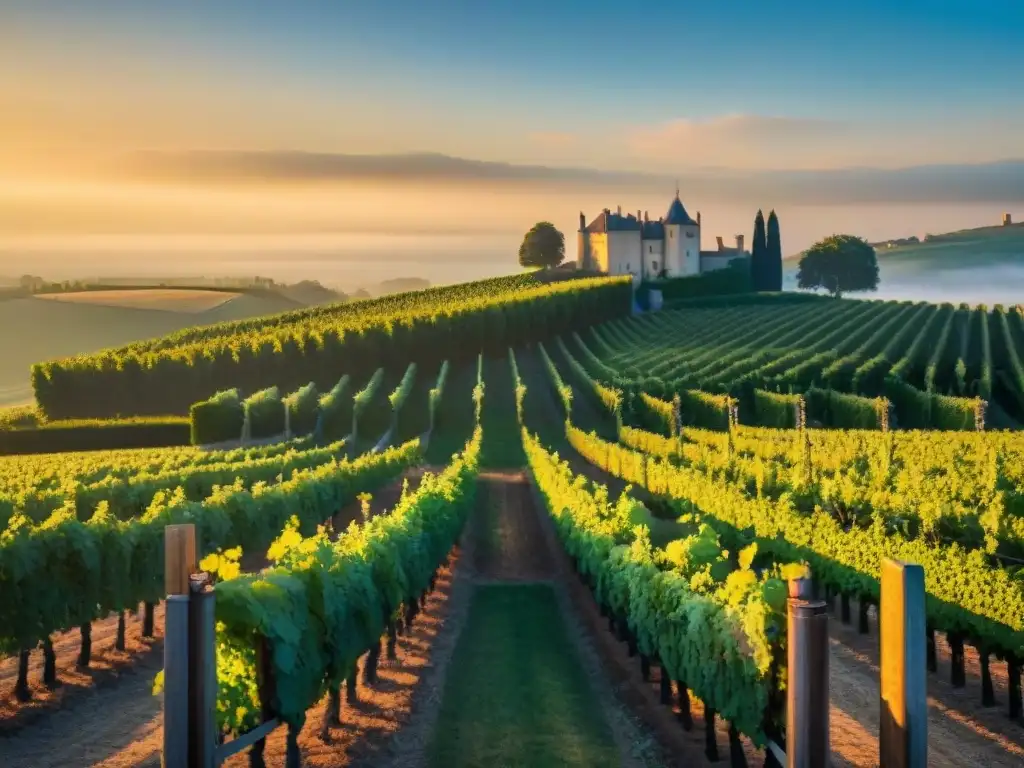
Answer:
x=647 y=85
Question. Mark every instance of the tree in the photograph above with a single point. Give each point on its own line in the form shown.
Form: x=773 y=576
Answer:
x=773 y=247
x=759 y=255
x=543 y=246
x=839 y=264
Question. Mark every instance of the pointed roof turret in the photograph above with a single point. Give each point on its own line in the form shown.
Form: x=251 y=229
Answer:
x=677 y=213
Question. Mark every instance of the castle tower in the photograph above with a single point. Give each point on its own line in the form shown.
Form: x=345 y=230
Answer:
x=682 y=241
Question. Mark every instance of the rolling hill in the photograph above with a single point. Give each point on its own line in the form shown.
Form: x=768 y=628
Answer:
x=976 y=266
x=43 y=328
x=982 y=246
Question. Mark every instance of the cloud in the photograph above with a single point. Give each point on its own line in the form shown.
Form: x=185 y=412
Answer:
x=923 y=183
x=553 y=139
x=739 y=141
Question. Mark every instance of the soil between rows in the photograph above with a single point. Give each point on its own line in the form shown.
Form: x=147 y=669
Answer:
x=117 y=683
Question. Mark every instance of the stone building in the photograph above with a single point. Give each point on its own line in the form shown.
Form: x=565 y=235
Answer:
x=635 y=245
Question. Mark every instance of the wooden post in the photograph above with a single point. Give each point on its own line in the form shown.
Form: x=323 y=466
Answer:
x=903 y=732
x=179 y=557
x=807 y=705
x=179 y=562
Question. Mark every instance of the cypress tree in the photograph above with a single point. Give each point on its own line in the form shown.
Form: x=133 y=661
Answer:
x=759 y=255
x=774 y=254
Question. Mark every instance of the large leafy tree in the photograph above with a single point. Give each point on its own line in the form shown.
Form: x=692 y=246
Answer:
x=759 y=255
x=839 y=264
x=543 y=246
x=773 y=248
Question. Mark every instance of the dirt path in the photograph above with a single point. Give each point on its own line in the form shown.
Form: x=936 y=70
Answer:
x=511 y=547
x=115 y=720
x=960 y=731
x=78 y=687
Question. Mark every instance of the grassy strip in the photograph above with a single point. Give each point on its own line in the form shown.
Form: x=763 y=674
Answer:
x=414 y=417
x=515 y=693
x=376 y=419
x=502 y=446
x=455 y=415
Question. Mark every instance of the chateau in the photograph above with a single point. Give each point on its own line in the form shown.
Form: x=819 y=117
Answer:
x=668 y=247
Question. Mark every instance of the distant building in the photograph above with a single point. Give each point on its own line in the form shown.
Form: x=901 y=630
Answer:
x=1007 y=220
x=645 y=249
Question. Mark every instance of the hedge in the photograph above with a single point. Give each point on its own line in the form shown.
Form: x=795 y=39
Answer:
x=19 y=417
x=336 y=411
x=772 y=409
x=960 y=413
x=916 y=409
x=217 y=418
x=303 y=407
x=265 y=413
x=720 y=282
x=845 y=411
x=95 y=435
x=701 y=409
x=752 y=299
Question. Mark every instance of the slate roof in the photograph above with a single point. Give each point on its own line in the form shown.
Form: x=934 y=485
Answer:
x=650 y=230
x=677 y=214
x=614 y=222
x=653 y=230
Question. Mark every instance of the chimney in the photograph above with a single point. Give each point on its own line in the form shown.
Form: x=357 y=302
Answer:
x=638 y=216
x=698 y=218
x=583 y=221
x=739 y=243
x=645 y=217
x=721 y=247
x=618 y=210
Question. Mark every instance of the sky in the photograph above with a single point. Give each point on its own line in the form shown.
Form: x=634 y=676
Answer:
x=646 y=85
x=707 y=92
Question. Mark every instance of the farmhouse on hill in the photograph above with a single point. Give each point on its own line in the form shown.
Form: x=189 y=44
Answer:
x=645 y=249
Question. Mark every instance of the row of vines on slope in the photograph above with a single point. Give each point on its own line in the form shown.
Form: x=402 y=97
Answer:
x=167 y=377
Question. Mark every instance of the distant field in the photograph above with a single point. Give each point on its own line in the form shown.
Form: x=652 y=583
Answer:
x=976 y=266
x=163 y=299
x=34 y=329
x=985 y=246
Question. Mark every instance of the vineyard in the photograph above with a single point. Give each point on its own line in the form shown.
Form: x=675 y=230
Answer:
x=938 y=366
x=416 y=484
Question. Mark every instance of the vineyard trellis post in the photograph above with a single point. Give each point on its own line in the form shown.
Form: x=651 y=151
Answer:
x=202 y=670
x=191 y=739
x=179 y=563
x=807 y=702
x=903 y=731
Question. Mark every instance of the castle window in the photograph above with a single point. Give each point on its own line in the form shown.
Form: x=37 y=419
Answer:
x=650 y=249
x=654 y=266
x=671 y=234
x=689 y=234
